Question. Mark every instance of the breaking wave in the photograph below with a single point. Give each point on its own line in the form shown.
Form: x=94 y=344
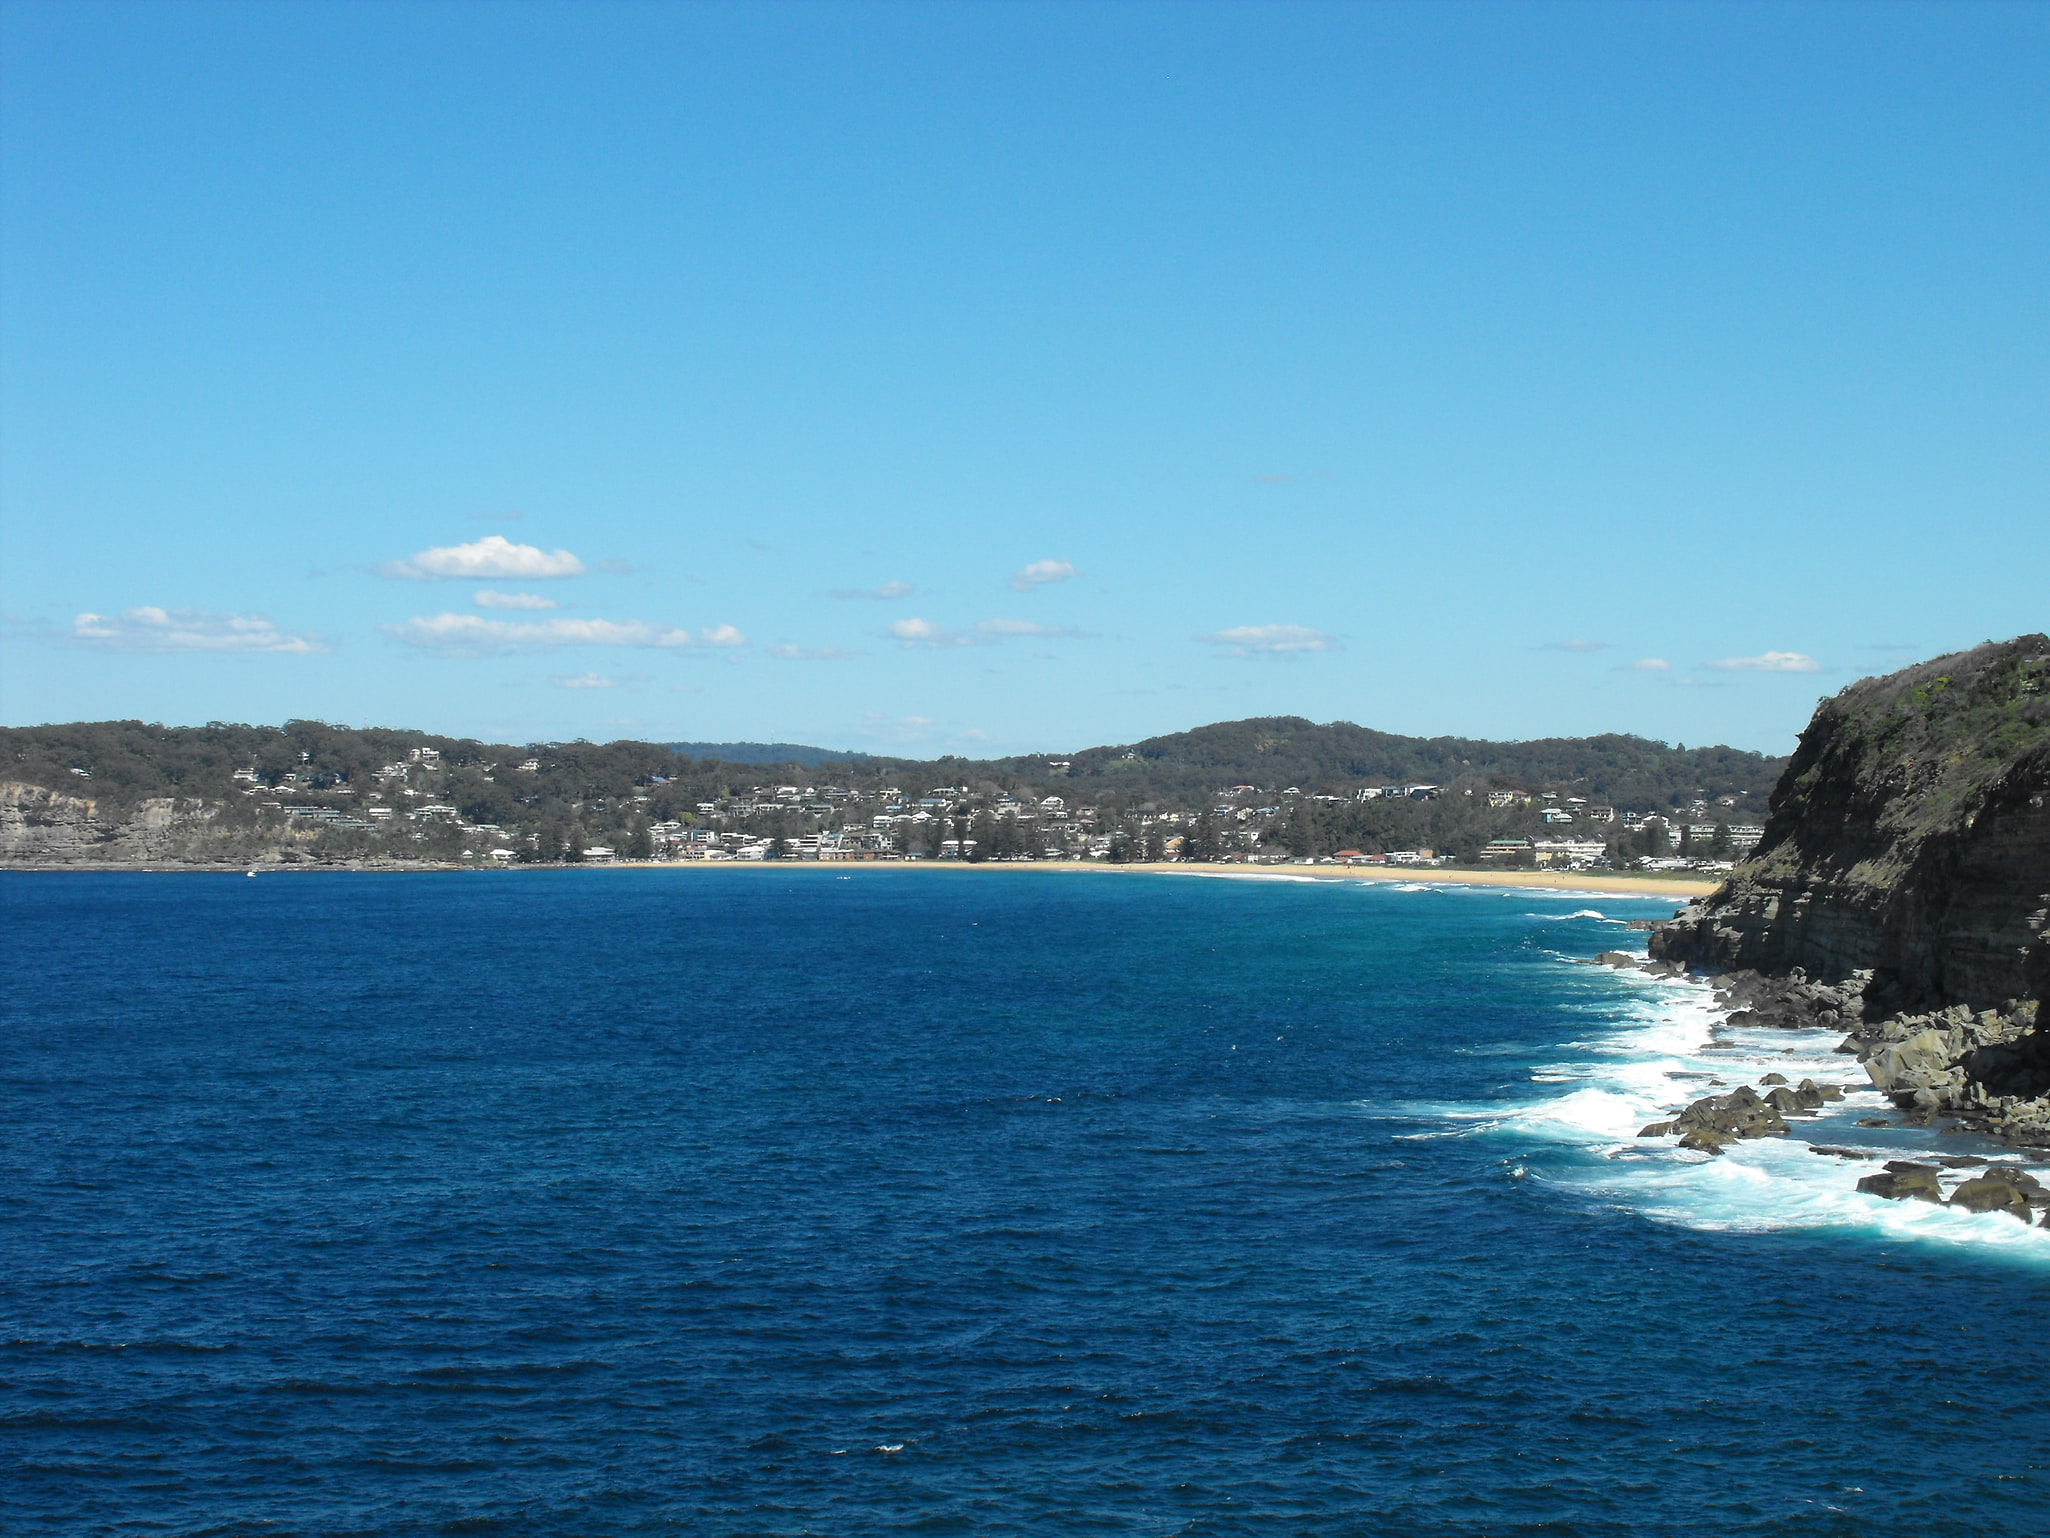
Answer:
x=1669 y=1047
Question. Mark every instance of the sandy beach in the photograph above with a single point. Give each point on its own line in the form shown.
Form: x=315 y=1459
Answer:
x=1647 y=886
x=1653 y=886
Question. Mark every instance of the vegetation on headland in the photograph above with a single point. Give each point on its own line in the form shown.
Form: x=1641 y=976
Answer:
x=1890 y=762
x=1276 y=788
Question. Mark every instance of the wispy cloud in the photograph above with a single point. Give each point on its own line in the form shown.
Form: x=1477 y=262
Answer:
x=1025 y=627
x=1647 y=665
x=586 y=681
x=1040 y=573
x=887 y=591
x=924 y=633
x=809 y=653
x=492 y=556
x=1578 y=644
x=472 y=634
x=1270 y=640
x=150 y=629
x=488 y=598
x=1768 y=662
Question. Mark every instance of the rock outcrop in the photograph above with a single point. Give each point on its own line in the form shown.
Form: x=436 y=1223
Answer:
x=1909 y=840
x=1709 y=1123
x=39 y=826
x=1902 y=890
x=1715 y=1121
x=2004 y=1188
x=1903 y=1180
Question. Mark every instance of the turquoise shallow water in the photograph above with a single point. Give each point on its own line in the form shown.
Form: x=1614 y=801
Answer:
x=780 y=1202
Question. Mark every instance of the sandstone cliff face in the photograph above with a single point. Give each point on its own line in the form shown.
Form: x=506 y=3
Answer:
x=1908 y=848
x=40 y=826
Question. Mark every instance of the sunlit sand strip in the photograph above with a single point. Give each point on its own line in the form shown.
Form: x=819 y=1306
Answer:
x=1560 y=881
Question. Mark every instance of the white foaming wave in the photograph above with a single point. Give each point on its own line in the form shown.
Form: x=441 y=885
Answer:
x=1776 y=1184
x=1652 y=1062
x=1252 y=875
x=1567 y=918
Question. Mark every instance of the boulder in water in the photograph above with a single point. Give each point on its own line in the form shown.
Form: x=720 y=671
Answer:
x=1710 y=1124
x=1903 y=1180
x=1992 y=1192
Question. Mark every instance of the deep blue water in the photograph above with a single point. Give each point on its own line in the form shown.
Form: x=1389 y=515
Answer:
x=770 y=1202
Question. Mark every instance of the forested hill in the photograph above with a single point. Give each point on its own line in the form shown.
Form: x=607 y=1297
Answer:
x=1274 y=752
x=766 y=753
x=125 y=761
x=115 y=790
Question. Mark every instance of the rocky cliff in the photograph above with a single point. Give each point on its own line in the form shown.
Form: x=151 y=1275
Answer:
x=1902 y=886
x=43 y=827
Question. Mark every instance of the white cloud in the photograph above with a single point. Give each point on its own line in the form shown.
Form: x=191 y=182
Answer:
x=487 y=598
x=1769 y=662
x=923 y=632
x=492 y=556
x=1039 y=573
x=150 y=629
x=1647 y=665
x=587 y=681
x=1024 y=627
x=887 y=591
x=472 y=633
x=1578 y=644
x=1271 y=640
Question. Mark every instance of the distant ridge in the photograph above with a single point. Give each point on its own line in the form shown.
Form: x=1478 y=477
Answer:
x=766 y=753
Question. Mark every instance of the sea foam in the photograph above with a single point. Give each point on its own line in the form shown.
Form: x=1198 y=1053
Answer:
x=1650 y=1061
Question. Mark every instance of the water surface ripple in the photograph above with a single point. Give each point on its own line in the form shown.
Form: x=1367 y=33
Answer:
x=776 y=1202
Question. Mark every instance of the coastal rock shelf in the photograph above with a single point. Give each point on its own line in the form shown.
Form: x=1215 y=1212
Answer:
x=1713 y=1122
x=1901 y=890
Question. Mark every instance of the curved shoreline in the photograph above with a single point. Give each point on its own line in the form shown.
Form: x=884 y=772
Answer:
x=1637 y=886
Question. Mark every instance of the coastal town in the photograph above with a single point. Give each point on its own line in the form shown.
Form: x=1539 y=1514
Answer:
x=415 y=800
x=1263 y=791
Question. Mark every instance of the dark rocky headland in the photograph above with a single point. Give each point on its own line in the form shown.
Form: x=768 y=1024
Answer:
x=1900 y=894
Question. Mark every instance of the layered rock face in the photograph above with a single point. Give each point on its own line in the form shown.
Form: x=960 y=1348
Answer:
x=47 y=827
x=1902 y=887
x=1909 y=840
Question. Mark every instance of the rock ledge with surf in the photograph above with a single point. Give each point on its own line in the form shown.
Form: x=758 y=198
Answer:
x=1900 y=895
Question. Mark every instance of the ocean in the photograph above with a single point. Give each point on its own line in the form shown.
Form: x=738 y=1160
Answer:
x=793 y=1201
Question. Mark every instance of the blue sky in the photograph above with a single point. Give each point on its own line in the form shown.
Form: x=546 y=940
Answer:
x=1001 y=377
